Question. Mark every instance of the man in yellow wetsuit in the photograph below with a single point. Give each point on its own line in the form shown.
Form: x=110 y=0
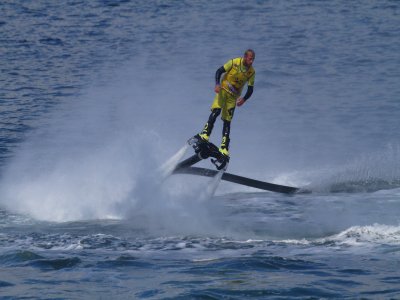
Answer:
x=238 y=72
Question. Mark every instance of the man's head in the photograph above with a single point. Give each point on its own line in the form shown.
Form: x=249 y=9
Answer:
x=248 y=58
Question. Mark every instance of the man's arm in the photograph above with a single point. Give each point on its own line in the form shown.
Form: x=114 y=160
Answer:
x=218 y=75
x=250 y=88
x=225 y=68
x=242 y=100
x=248 y=93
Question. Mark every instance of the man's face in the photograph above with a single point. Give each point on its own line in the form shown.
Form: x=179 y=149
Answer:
x=248 y=59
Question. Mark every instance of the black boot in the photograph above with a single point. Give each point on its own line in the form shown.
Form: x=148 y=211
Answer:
x=224 y=148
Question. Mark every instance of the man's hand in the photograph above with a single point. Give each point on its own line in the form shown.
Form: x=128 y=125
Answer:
x=217 y=88
x=240 y=101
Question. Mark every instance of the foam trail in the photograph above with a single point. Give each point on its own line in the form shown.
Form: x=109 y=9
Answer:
x=169 y=166
x=367 y=173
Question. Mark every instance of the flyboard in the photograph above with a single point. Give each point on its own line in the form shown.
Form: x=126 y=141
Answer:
x=204 y=150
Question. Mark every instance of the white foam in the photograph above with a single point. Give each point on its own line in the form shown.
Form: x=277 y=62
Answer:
x=294 y=241
x=375 y=234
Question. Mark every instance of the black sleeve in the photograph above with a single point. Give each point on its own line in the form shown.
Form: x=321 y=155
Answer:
x=249 y=92
x=218 y=74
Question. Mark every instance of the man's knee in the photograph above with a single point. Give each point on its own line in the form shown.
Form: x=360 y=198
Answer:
x=214 y=114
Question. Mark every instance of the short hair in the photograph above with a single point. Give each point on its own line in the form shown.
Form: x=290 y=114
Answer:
x=250 y=51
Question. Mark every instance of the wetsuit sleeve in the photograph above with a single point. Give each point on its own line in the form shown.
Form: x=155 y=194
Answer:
x=250 y=89
x=250 y=86
x=251 y=80
x=225 y=68
x=218 y=74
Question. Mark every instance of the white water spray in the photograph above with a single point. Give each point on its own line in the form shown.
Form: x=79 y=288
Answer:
x=168 y=167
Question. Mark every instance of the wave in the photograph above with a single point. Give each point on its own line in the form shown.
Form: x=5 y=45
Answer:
x=29 y=258
x=372 y=234
x=376 y=234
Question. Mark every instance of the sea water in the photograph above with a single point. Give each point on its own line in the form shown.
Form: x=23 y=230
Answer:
x=96 y=96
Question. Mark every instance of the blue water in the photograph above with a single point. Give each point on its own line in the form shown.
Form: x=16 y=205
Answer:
x=96 y=96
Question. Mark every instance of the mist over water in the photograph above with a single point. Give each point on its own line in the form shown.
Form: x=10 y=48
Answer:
x=97 y=156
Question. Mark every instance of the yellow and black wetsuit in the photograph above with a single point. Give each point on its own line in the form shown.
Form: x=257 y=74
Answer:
x=235 y=77
x=233 y=81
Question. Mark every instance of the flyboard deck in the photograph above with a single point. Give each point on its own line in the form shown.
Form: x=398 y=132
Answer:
x=205 y=150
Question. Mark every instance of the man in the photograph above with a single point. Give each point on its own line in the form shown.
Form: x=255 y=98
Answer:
x=238 y=72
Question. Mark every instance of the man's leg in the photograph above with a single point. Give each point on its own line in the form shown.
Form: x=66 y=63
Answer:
x=206 y=132
x=227 y=115
x=215 y=112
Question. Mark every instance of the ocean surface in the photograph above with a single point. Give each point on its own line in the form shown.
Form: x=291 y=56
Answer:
x=95 y=97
